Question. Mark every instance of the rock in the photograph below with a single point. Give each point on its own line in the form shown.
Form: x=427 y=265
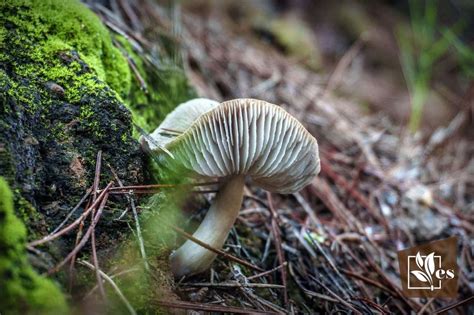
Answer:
x=63 y=87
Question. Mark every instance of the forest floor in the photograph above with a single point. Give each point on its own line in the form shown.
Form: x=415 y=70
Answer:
x=333 y=246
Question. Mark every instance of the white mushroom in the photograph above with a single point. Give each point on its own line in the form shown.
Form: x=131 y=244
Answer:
x=234 y=140
x=178 y=121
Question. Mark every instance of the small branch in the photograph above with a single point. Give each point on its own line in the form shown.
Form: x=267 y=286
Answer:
x=267 y=272
x=234 y=285
x=369 y=281
x=212 y=249
x=74 y=224
x=84 y=239
x=343 y=64
x=277 y=239
x=209 y=307
x=111 y=277
x=141 y=243
x=337 y=297
x=98 y=166
x=87 y=194
x=154 y=186
x=425 y=307
x=141 y=187
x=112 y=283
x=453 y=305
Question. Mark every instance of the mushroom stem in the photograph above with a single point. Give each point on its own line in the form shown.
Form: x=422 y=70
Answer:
x=192 y=258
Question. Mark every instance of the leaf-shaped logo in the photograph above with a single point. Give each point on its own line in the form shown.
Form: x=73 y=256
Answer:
x=430 y=267
x=430 y=264
x=419 y=260
x=420 y=275
x=427 y=268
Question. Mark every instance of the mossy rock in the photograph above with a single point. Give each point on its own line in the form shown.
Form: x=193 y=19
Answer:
x=66 y=93
x=22 y=289
x=62 y=86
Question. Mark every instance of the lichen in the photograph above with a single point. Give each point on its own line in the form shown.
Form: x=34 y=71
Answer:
x=22 y=289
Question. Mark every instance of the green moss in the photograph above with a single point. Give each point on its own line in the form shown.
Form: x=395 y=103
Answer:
x=49 y=27
x=22 y=289
x=63 y=42
x=26 y=212
x=60 y=42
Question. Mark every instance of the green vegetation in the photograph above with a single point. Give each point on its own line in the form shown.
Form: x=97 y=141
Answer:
x=465 y=53
x=22 y=289
x=45 y=32
x=166 y=86
x=422 y=45
x=64 y=82
x=59 y=50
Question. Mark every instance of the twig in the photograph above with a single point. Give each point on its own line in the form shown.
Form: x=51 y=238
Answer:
x=71 y=226
x=112 y=277
x=373 y=304
x=425 y=307
x=267 y=272
x=305 y=290
x=141 y=243
x=342 y=65
x=213 y=249
x=337 y=297
x=411 y=303
x=142 y=187
x=370 y=281
x=209 y=307
x=112 y=283
x=233 y=285
x=83 y=240
x=149 y=187
x=330 y=261
x=277 y=239
x=95 y=188
x=453 y=305
x=95 y=260
x=137 y=74
x=342 y=183
x=86 y=195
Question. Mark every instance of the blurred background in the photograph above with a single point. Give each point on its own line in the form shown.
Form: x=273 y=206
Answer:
x=412 y=60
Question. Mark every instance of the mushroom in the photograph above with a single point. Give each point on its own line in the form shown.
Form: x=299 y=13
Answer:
x=177 y=121
x=235 y=140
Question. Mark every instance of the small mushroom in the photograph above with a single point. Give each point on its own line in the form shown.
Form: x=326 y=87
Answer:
x=177 y=122
x=235 y=140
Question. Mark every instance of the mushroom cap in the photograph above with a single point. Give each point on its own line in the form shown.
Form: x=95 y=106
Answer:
x=249 y=137
x=178 y=120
